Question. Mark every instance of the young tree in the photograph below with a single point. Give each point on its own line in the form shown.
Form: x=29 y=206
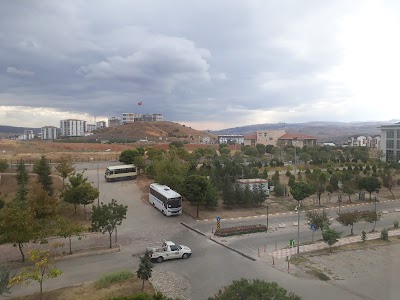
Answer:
x=371 y=217
x=41 y=204
x=18 y=226
x=370 y=184
x=127 y=156
x=349 y=219
x=66 y=229
x=43 y=170
x=140 y=164
x=228 y=193
x=145 y=269
x=321 y=220
x=106 y=217
x=3 y=167
x=389 y=181
x=247 y=289
x=43 y=268
x=195 y=187
x=330 y=236
x=65 y=167
x=22 y=181
x=349 y=188
x=301 y=190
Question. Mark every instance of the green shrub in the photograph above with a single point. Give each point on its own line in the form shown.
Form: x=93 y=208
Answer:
x=107 y=279
x=384 y=234
x=363 y=235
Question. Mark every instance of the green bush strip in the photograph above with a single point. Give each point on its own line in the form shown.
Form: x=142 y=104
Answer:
x=240 y=230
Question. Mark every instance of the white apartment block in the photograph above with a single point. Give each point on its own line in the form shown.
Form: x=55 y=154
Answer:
x=114 y=121
x=72 y=127
x=365 y=141
x=129 y=118
x=49 y=133
x=28 y=135
x=90 y=127
x=390 y=142
x=231 y=139
x=101 y=124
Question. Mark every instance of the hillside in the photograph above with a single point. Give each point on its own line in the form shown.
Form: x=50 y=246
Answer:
x=325 y=131
x=11 y=130
x=161 y=131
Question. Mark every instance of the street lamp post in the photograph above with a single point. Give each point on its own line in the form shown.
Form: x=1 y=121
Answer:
x=98 y=186
x=376 y=198
x=339 y=200
x=267 y=217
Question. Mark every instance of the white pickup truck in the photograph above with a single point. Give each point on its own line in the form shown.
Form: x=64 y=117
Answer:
x=168 y=250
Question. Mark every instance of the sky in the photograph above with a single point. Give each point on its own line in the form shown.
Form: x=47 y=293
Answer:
x=206 y=64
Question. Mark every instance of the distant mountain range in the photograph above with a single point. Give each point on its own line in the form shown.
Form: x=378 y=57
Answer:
x=325 y=131
x=11 y=130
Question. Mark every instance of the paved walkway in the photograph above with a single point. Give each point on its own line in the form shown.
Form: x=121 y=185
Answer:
x=283 y=253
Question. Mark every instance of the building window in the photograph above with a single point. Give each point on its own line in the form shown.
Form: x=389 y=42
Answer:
x=390 y=134
x=390 y=144
x=398 y=133
x=398 y=144
x=389 y=155
x=398 y=156
x=265 y=134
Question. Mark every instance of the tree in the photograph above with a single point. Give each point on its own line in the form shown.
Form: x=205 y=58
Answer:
x=349 y=219
x=18 y=226
x=330 y=236
x=171 y=172
x=371 y=217
x=195 y=187
x=370 y=184
x=321 y=220
x=388 y=181
x=4 y=279
x=69 y=194
x=66 y=229
x=301 y=190
x=106 y=217
x=22 y=181
x=65 y=167
x=228 y=193
x=43 y=170
x=260 y=149
x=145 y=268
x=247 y=289
x=43 y=268
x=349 y=188
x=318 y=180
x=127 y=156
x=3 y=166
x=140 y=163
x=41 y=204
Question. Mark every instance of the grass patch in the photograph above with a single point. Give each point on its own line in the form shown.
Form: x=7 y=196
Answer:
x=318 y=274
x=298 y=259
x=107 y=279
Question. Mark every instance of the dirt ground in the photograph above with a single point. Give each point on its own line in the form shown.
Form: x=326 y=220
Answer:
x=88 y=291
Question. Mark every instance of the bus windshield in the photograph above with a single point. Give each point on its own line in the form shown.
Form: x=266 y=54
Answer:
x=174 y=202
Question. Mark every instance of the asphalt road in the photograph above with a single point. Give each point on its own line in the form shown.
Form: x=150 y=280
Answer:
x=211 y=265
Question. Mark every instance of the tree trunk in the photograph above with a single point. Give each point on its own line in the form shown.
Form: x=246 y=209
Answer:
x=370 y=196
x=70 y=245
x=75 y=208
x=20 y=245
x=110 y=239
x=143 y=286
x=374 y=226
x=319 y=199
x=41 y=290
x=198 y=207
x=391 y=193
x=349 y=198
x=116 y=235
x=351 y=229
x=84 y=211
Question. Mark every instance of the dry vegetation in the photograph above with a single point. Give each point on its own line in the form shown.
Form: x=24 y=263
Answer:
x=88 y=291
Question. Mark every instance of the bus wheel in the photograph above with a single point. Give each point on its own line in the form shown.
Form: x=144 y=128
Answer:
x=154 y=205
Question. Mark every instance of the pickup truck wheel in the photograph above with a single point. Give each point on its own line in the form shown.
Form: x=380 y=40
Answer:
x=160 y=259
x=185 y=255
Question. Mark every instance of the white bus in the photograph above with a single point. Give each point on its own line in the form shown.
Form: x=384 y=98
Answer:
x=166 y=200
x=121 y=172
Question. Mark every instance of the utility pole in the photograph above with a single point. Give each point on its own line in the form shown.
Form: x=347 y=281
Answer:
x=98 y=186
x=298 y=228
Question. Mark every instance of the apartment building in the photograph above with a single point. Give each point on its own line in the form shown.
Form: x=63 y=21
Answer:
x=72 y=127
x=390 y=142
x=297 y=139
x=49 y=133
x=365 y=141
x=264 y=137
x=114 y=121
x=90 y=127
x=101 y=124
x=231 y=139
x=28 y=135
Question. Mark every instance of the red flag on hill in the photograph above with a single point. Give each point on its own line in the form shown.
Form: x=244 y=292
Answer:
x=140 y=103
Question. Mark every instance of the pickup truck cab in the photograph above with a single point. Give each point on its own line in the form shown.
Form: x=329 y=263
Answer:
x=168 y=250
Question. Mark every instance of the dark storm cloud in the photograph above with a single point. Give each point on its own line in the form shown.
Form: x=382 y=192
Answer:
x=188 y=60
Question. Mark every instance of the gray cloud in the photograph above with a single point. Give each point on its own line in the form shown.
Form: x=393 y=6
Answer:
x=208 y=61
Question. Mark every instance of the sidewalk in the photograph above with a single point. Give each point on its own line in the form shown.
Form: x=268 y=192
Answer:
x=283 y=253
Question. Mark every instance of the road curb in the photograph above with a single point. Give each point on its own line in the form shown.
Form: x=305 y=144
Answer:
x=291 y=213
x=90 y=252
x=219 y=243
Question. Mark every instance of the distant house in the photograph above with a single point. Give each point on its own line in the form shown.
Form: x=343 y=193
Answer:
x=264 y=137
x=231 y=139
x=365 y=141
x=253 y=182
x=297 y=139
x=114 y=122
x=101 y=124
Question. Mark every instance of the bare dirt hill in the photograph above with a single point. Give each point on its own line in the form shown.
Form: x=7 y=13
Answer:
x=161 y=131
